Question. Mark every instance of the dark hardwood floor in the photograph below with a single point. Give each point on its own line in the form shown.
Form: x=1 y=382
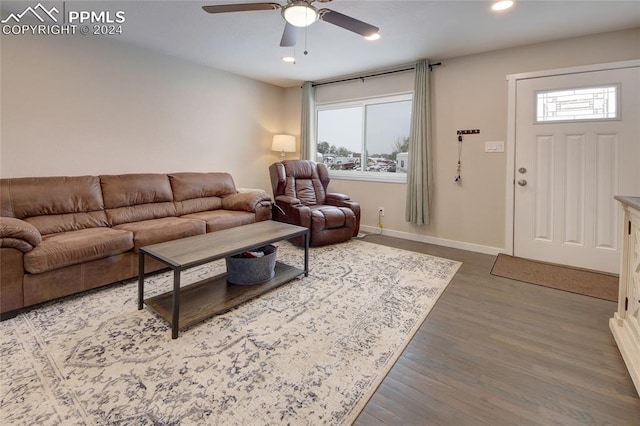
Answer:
x=500 y=352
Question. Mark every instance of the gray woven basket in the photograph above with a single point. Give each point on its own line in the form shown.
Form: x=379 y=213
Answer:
x=252 y=270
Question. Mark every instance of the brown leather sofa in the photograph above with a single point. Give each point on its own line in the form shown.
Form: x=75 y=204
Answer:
x=64 y=235
x=301 y=198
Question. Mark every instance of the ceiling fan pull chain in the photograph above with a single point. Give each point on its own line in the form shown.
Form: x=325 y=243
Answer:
x=306 y=52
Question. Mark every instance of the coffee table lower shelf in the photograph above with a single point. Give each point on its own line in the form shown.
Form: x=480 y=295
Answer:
x=204 y=299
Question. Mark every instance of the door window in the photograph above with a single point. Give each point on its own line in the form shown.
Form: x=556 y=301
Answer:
x=586 y=103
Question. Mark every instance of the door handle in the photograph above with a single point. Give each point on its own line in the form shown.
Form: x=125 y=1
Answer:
x=522 y=182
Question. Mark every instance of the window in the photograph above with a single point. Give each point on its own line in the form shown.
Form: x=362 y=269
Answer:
x=589 y=103
x=366 y=139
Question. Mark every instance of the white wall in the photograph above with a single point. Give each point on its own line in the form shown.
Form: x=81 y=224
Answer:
x=292 y=117
x=470 y=92
x=358 y=89
x=76 y=105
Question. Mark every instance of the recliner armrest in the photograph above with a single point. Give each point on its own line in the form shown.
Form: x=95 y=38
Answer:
x=18 y=234
x=335 y=197
x=342 y=200
x=291 y=210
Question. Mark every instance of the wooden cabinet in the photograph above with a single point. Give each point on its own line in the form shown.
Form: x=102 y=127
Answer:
x=625 y=324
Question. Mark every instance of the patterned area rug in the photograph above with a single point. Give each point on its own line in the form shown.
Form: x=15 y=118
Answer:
x=310 y=352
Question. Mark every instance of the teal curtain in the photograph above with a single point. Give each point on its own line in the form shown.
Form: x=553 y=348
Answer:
x=420 y=173
x=308 y=124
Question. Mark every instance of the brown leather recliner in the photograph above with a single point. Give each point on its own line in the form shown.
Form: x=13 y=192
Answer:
x=301 y=198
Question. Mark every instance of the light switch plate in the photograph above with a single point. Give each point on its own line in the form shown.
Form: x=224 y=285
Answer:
x=494 y=146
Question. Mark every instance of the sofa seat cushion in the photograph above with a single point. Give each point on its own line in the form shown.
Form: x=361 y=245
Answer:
x=223 y=219
x=73 y=247
x=331 y=217
x=155 y=231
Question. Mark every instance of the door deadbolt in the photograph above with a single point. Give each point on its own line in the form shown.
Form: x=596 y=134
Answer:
x=522 y=170
x=522 y=182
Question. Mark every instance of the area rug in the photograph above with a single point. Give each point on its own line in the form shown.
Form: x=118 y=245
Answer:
x=310 y=352
x=588 y=283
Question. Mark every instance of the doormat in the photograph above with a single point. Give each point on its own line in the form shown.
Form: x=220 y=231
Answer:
x=580 y=281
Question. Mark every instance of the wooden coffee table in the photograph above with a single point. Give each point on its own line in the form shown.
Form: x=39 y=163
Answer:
x=186 y=306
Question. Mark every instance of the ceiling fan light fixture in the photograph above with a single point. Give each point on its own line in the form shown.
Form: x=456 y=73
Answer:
x=501 y=5
x=372 y=37
x=289 y=59
x=300 y=14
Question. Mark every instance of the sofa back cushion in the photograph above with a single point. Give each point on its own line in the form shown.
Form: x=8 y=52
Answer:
x=54 y=204
x=137 y=197
x=198 y=192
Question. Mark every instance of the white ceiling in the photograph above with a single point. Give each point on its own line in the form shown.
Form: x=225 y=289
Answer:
x=247 y=43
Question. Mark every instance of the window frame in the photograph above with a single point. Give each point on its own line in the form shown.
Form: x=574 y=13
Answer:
x=363 y=102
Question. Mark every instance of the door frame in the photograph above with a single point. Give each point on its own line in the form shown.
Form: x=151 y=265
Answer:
x=512 y=79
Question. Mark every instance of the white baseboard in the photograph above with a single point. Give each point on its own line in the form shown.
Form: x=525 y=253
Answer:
x=494 y=251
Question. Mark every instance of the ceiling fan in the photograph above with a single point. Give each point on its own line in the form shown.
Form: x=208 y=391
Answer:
x=299 y=14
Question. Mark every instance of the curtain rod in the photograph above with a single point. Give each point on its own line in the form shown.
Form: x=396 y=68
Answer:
x=374 y=75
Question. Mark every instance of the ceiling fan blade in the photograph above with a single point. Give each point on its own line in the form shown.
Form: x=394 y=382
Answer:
x=289 y=36
x=347 y=22
x=240 y=7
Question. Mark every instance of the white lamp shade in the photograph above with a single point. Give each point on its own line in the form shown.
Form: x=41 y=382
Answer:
x=284 y=143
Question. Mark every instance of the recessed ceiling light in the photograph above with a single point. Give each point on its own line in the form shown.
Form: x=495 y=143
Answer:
x=374 y=36
x=502 y=5
x=289 y=59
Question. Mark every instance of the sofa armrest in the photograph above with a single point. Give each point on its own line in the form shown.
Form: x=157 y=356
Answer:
x=18 y=234
x=11 y=277
x=243 y=190
x=285 y=199
x=245 y=201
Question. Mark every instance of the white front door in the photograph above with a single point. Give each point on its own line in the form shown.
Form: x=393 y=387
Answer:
x=567 y=169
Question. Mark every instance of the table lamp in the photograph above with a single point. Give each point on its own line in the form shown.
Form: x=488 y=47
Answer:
x=283 y=143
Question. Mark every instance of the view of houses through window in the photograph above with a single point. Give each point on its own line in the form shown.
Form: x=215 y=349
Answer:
x=370 y=135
